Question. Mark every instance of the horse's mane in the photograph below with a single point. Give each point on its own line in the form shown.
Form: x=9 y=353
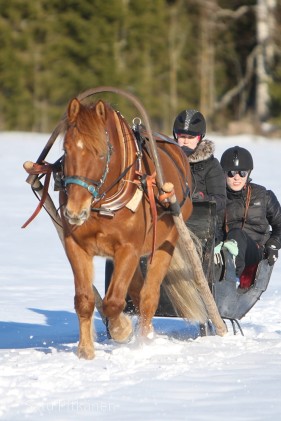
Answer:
x=91 y=128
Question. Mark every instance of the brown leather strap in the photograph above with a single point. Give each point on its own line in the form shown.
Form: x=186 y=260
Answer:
x=151 y=182
x=42 y=200
x=36 y=169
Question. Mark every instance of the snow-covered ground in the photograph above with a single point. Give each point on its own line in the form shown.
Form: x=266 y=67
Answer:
x=173 y=378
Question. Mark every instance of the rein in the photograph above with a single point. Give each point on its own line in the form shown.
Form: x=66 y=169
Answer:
x=249 y=193
x=248 y=199
x=147 y=183
x=36 y=169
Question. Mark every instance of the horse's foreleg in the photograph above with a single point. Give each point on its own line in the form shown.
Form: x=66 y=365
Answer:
x=137 y=284
x=84 y=306
x=84 y=301
x=150 y=293
x=119 y=324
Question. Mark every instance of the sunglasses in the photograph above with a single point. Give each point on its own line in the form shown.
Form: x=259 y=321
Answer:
x=233 y=173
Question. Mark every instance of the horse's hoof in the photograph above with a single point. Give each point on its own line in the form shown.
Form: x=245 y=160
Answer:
x=86 y=353
x=121 y=329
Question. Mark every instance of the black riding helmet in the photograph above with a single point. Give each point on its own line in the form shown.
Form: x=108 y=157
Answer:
x=190 y=122
x=237 y=158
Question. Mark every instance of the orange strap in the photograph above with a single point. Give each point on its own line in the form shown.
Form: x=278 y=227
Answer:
x=150 y=183
x=34 y=170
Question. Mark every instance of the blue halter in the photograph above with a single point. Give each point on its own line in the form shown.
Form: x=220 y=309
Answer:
x=75 y=179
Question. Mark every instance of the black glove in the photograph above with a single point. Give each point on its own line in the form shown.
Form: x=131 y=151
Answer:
x=271 y=252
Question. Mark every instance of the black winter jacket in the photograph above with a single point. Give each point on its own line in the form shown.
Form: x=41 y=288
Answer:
x=208 y=180
x=264 y=211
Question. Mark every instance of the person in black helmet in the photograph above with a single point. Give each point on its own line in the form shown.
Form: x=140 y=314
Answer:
x=208 y=181
x=253 y=213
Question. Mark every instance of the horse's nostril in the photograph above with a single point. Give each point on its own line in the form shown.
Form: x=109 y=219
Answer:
x=66 y=213
x=75 y=218
x=83 y=214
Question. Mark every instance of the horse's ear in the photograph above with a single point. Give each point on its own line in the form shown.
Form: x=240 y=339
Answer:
x=73 y=110
x=101 y=110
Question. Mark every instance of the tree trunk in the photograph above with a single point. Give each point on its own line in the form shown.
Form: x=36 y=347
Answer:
x=265 y=28
x=177 y=40
x=207 y=60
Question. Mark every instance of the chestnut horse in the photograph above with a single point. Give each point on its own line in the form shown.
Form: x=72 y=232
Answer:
x=107 y=210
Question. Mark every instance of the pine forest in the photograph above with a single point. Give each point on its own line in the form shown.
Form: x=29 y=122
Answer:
x=222 y=57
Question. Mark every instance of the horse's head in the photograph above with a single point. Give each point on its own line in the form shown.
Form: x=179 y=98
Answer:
x=87 y=154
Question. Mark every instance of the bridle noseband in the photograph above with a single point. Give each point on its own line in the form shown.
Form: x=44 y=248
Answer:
x=81 y=181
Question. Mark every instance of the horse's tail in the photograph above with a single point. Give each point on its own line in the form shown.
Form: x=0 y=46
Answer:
x=180 y=287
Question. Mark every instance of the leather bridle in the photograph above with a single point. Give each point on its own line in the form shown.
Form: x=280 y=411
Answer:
x=92 y=186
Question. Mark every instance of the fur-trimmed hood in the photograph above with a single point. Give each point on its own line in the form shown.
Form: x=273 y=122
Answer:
x=204 y=150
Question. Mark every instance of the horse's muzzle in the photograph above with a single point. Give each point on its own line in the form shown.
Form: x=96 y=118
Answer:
x=76 y=219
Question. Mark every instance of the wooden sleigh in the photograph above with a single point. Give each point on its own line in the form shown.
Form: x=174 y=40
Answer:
x=233 y=303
